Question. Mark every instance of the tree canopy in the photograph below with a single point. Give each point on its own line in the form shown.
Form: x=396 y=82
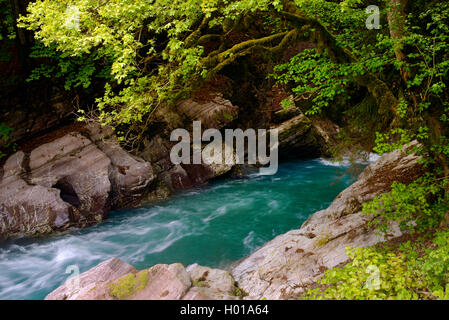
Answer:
x=153 y=52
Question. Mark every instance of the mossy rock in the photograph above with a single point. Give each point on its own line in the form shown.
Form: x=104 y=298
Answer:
x=128 y=285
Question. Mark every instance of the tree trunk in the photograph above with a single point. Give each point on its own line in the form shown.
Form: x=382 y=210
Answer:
x=396 y=23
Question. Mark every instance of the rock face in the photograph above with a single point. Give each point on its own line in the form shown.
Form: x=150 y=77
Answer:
x=115 y=279
x=299 y=136
x=73 y=180
x=130 y=176
x=286 y=266
x=213 y=112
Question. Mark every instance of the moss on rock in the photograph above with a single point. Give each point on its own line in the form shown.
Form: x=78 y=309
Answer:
x=128 y=285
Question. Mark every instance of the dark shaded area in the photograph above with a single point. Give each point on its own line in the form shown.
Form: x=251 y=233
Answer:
x=68 y=194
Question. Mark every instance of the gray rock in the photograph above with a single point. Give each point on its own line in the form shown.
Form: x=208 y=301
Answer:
x=75 y=166
x=166 y=282
x=130 y=175
x=73 y=180
x=26 y=208
x=210 y=284
x=115 y=279
x=215 y=112
x=301 y=137
x=287 y=265
x=94 y=283
x=161 y=282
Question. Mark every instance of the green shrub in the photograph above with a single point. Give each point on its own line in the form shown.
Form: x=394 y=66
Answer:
x=418 y=270
x=419 y=206
x=370 y=275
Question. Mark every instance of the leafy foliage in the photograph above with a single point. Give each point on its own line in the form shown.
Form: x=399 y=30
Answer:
x=419 y=206
x=371 y=275
x=316 y=78
x=152 y=56
x=410 y=272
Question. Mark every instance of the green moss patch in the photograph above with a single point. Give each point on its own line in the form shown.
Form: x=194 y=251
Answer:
x=129 y=285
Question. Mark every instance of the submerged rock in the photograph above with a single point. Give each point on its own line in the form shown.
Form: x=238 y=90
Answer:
x=286 y=266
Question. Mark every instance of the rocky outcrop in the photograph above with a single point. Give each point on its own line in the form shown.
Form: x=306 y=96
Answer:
x=302 y=137
x=116 y=280
x=172 y=177
x=283 y=268
x=213 y=111
x=94 y=284
x=73 y=180
x=289 y=264
x=130 y=176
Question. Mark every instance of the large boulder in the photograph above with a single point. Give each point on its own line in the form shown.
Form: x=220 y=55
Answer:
x=76 y=167
x=26 y=208
x=73 y=179
x=130 y=175
x=93 y=284
x=289 y=264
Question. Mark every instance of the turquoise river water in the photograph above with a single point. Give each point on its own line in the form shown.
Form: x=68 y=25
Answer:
x=213 y=225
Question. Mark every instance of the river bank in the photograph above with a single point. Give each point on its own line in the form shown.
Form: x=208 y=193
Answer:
x=211 y=225
x=281 y=269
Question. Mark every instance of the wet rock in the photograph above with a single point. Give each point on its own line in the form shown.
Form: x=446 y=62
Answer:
x=287 y=265
x=73 y=179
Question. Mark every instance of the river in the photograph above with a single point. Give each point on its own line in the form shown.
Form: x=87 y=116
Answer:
x=223 y=221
